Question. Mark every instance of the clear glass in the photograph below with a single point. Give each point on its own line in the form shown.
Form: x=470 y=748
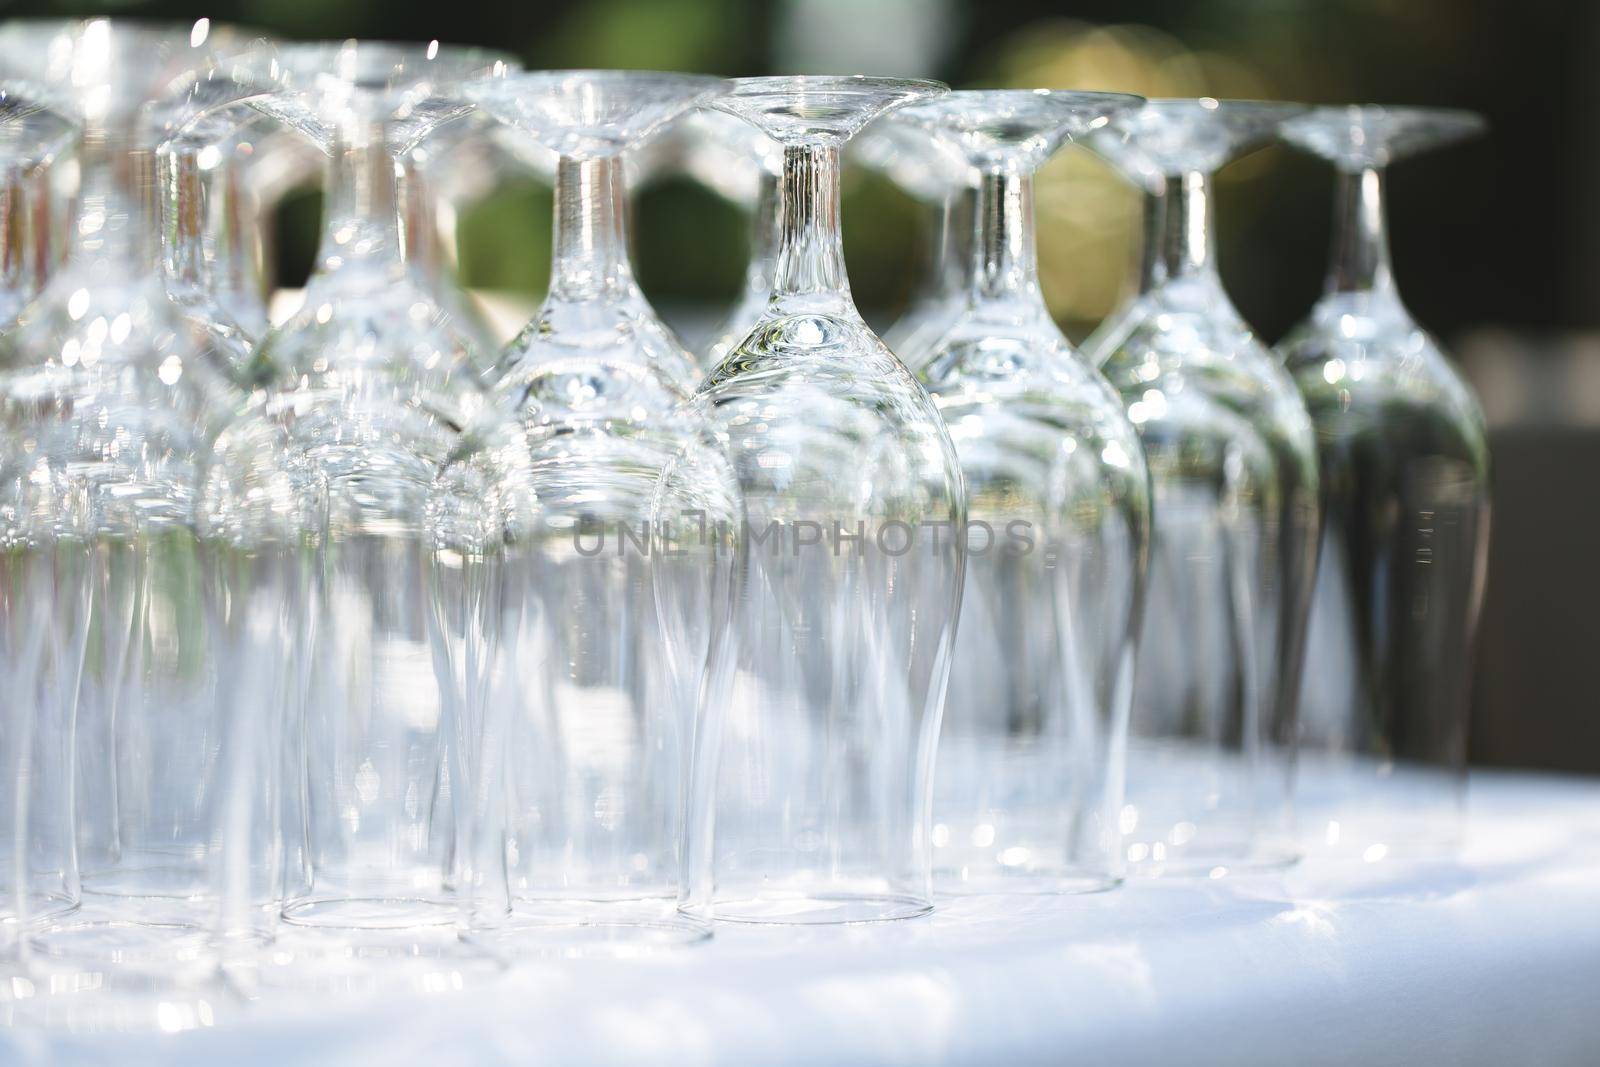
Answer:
x=1405 y=478
x=615 y=525
x=1028 y=789
x=814 y=806
x=1233 y=474
x=127 y=399
x=744 y=165
x=44 y=589
x=374 y=389
x=933 y=174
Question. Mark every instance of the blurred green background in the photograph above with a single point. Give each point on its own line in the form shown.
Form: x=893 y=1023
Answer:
x=1496 y=242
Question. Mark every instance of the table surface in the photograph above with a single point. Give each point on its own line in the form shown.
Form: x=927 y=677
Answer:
x=1493 y=958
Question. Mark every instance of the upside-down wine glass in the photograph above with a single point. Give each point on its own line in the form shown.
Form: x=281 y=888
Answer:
x=814 y=807
x=374 y=390
x=1234 y=480
x=941 y=180
x=1028 y=788
x=126 y=399
x=43 y=588
x=577 y=743
x=1405 y=496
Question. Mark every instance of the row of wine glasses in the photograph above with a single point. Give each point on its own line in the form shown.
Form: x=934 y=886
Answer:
x=351 y=634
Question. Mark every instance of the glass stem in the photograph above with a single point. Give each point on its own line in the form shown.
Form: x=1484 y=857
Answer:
x=362 y=214
x=1005 y=261
x=1360 y=259
x=183 y=219
x=14 y=266
x=44 y=253
x=419 y=222
x=1178 y=237
x=591 y=243
x=236 y=232
x=811 y=250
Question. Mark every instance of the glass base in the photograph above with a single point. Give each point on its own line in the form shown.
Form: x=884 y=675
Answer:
x=970 y=882
x=1218 y=863
x=84 y=997
x=155 y=881
x=319 y=964
x=588 y=927
x=817 y=908
x=157 y=894
x=371 y=913
x=123 y=942
x=37 y=907
x=1375 y=838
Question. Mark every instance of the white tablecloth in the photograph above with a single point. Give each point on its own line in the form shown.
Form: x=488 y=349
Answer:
x=1493 y=959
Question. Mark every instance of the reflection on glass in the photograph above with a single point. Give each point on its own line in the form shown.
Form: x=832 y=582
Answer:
x=1233 y=472
x=260 y=166
x=1029 y=780
x=936 y=176
x=743 y=164
x=427 y=216
x=1383 y=726
x=820 y=787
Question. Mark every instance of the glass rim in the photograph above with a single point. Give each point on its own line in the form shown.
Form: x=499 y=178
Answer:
x=1226 y=104
x=993 y=128
x=610 y=75
x=788 y=84
x=644 y=102
x=820 y=109
x=415 y=55
x=138 y=52
x=1387 y=133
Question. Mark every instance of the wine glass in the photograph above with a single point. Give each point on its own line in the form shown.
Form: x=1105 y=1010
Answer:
x=578 y=735
x=43 y=587
x=373 y=387
x=1028 y=789
x=1233 y=472
x=1404 y=463
x=939 y=178
x=123 y=399
x=814 y=806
